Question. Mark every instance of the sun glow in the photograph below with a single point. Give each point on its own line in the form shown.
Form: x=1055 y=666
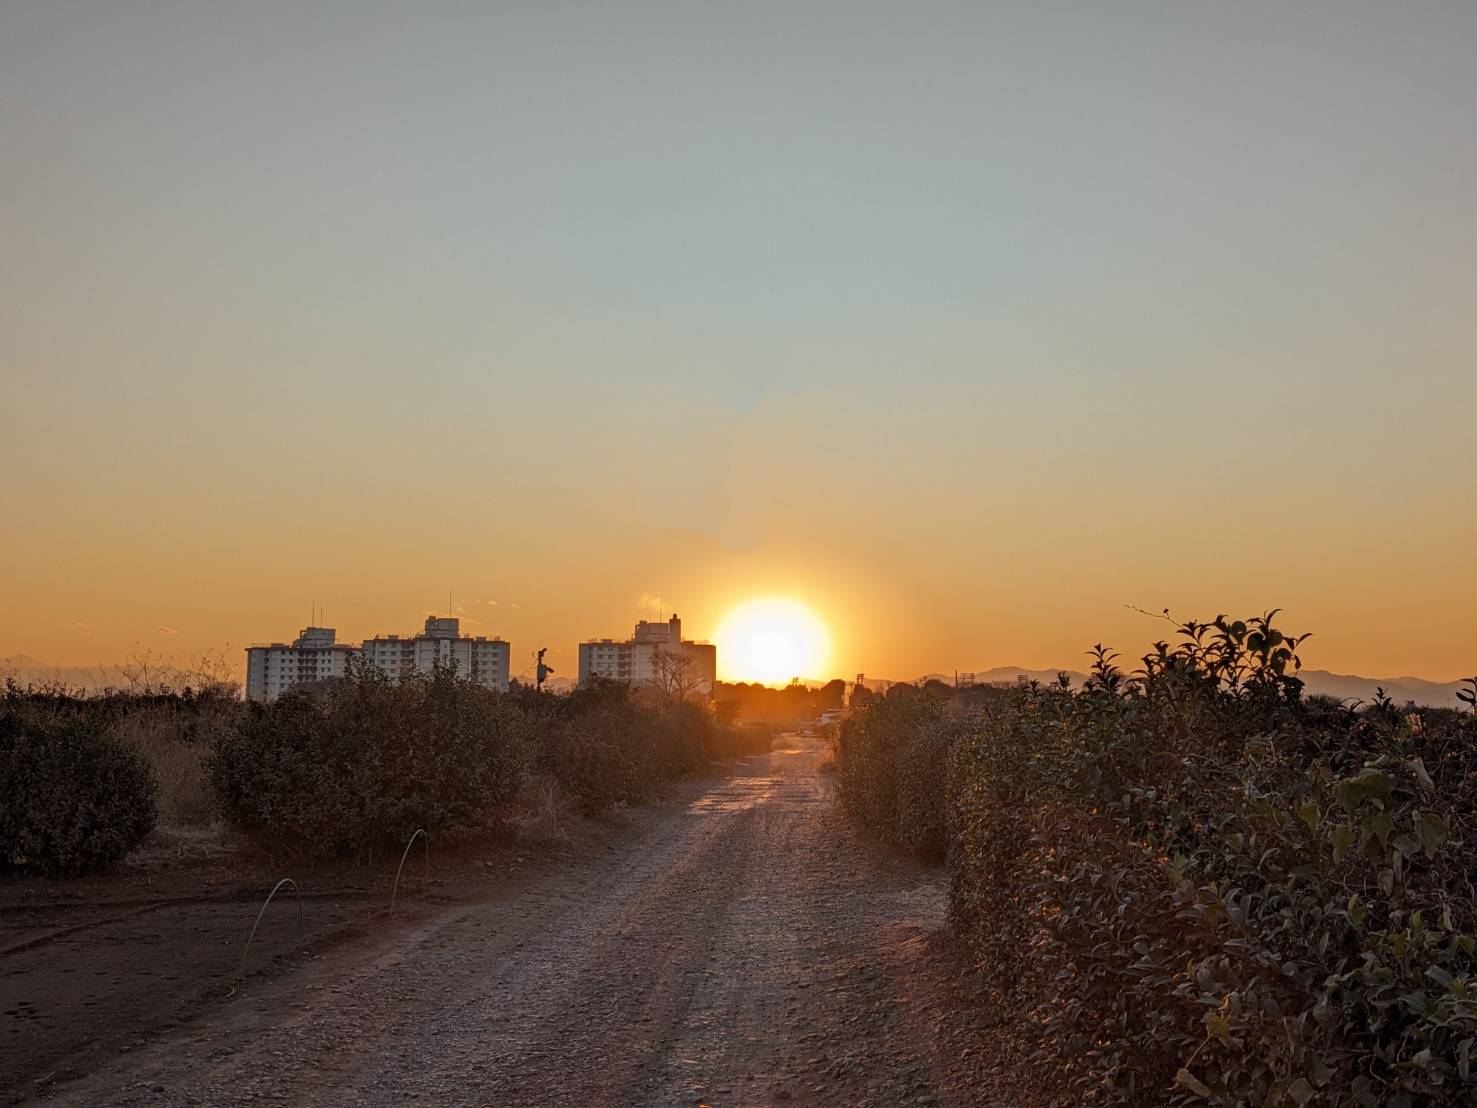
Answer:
x=772 y=640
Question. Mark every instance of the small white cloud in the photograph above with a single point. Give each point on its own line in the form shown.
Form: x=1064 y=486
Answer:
x=168 y=630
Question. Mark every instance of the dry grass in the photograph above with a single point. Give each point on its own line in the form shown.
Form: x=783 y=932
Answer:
x=542 y=812
x=826 y=763
x=185 y=799
x=170 y=847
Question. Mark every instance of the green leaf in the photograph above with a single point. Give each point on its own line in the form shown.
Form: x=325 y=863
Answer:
x=1220 y=1027
x=1439 y=975
x=1432 y=832
x=1308 y=813
x=1379 y=825
x=1191 y=1082
x=1301 y=1091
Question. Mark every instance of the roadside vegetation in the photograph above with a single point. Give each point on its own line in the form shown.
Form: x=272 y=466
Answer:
x=1191 y=884
x=350 y=768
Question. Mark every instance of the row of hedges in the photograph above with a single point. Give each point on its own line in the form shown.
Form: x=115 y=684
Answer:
x=368 y=761
x=1197 y=886
x=365 y=762
x=343 y=768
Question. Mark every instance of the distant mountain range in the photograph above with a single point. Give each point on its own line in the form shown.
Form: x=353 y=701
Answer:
x=26 y=669
x=1436 y=694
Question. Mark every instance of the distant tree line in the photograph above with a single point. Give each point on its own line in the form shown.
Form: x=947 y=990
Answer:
x=793 y=704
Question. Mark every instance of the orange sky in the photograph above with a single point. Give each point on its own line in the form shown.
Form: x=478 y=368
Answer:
x=968 y=330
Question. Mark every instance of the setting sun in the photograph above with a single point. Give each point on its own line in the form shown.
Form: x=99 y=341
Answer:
x=772 y=640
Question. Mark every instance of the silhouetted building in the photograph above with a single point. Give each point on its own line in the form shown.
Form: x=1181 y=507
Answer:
x=655 y=655
x=274 y=668
x=480 y=659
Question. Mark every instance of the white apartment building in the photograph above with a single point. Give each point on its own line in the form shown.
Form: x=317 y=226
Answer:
x=274 y=668
x=482 y=660
x=656 y=655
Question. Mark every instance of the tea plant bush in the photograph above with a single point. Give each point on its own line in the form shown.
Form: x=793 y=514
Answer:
x=367 y=762
x=1197 y=886
x=896 y=763
x=364 y=762
x=346 y=767
x=72 y=799
x=604 y=745
x=608 y=743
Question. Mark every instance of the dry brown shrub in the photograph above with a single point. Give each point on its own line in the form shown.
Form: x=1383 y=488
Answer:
x=158 y=733
x=542 y=812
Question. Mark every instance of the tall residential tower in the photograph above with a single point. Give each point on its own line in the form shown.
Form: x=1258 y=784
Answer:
x=655 y=655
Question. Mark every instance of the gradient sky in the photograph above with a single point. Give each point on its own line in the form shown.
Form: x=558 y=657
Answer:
x=969 y=324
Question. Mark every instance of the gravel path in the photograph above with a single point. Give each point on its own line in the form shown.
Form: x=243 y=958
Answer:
x=747 y=947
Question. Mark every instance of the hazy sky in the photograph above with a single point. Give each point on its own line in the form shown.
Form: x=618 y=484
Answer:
x=969 y=324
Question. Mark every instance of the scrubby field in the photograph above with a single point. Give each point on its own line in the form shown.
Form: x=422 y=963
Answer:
x=349 y=770
x=737 y=943
x=139 y=834
x=1187 y=885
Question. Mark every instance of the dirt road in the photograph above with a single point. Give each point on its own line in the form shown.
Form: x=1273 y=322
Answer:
x=746 y=946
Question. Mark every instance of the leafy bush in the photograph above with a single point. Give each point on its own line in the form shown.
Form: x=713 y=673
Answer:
x=1199 y=888
x=366 y=762
x=606 y=743
x=71 y=798
x=734 y=740
x=895 y=760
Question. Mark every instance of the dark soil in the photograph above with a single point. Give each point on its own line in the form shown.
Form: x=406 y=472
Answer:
x=96 y=968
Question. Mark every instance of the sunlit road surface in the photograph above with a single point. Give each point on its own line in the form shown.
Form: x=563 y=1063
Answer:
x=743 y=947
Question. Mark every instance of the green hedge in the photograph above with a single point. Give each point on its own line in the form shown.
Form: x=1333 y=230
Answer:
x=72 y=799
x=364 y=762
x=606 y=743
x=896 y=761
x=1197 y=887
x=367 y=762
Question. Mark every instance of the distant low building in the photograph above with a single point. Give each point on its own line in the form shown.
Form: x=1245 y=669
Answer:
x=656 y=655
x=481 y=660
x=275 y=668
